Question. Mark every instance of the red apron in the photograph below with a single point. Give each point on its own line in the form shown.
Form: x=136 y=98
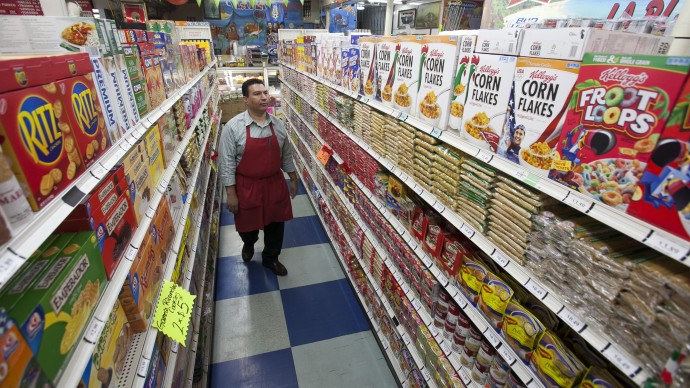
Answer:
x=261 y=190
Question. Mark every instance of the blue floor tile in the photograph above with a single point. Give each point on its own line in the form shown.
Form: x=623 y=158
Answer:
x=273 y=369
x=236 y=278
x=227 y=218
x=322 y=311
x=303 y=231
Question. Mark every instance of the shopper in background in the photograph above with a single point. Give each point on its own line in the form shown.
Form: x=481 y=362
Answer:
x=254 y=151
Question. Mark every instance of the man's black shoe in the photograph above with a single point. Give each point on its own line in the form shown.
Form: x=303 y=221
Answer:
x=275 y=266
x=247 y=252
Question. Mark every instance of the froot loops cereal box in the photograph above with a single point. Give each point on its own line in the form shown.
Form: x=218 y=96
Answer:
x=437 y=73
x=619 y=106
x=541 y=91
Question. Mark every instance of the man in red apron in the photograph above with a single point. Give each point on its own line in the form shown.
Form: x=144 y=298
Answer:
x=254 y=152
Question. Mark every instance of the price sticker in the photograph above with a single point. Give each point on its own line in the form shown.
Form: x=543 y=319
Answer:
x=465 y=376
x=403 y=116
x=452 y=290
x=400 y=229
x=446 y=348
x=666 y=246
x=434 y=331
x=491 y=335
x=385 y=344
x=143 y=368
x=98 y=171
x=131 y=253
x=467 y=230
x=93 y=333
x=406 y=338
x=571 y=319
x=174 y=347
x=506 y=355
x=426 y=375
x=520 y=175
x=436 y=132
x=397 y=277
x=119 y=152
x=442 y=279
x=365 y=100
x=500 y=258
x=406 y=289
x=427 y=261
x=417 y=304
x=582 y=204
x=150 y=212
x=620 y=360
x=536 y=289
x=417 y=189
x=174 y=311
x=484 y=156
x=9 y=264
x=439 y=207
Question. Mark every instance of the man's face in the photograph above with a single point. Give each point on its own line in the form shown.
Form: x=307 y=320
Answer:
x=258 y=98
x=518 y=136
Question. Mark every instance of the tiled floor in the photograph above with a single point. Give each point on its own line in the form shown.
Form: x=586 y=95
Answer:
x=306 y=329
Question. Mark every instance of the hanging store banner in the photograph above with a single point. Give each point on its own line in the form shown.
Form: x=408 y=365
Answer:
x=506 y=13
x=343 y=19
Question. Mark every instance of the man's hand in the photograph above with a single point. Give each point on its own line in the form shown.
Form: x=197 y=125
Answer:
x=293 y=188
x=232 y=201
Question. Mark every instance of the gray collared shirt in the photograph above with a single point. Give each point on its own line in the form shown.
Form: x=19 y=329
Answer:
x=234 y=137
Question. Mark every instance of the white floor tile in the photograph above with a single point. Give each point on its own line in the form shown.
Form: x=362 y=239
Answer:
x=309 y=264
x=301 y=207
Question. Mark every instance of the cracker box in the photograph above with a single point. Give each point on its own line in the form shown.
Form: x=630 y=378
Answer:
x=44 y=158
x=106 y=91
x=353 y=69
x=121 y=115
x=662 y=194
x=385 y=69
x=125 y=84
x=114 y=232
x=106 y=366
x=54 y=312
x=541 y=92
x=439 y=60
x=19 y=364
x=367 y=66
x=408 y=61
x=25 y=71
x=155 y=154
x=488 y=94
x=619 y=106
x=100 y=199
x=81 y=107
x=506 y=41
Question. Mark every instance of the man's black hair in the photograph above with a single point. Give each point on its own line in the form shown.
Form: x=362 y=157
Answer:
x=246 y=84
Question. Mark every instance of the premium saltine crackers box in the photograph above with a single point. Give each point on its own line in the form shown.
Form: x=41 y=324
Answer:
x=439 y=60
x=541 y=92
x=490 y=83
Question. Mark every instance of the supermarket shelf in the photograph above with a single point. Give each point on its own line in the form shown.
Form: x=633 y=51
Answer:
x=658 y=239
x=43 y=223
x=85 y=347
x=628 y=364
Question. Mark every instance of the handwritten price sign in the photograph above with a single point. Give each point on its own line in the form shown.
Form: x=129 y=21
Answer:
x=174 y=311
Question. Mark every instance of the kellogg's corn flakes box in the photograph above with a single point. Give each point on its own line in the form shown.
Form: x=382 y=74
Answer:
x=405 y=72
x=385 y=68
x=541 y=94
x=461 y=83
x=620 y=105
x=367 y=66
x=486 y=108
x=439 y=60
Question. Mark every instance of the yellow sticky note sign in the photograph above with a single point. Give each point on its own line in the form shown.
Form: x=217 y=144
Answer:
x=174 y=312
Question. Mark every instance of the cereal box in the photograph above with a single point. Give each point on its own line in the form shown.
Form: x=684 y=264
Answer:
x=385 y=69
x=85 y=118
x=488 y=94
x=345 y=67
x=619 y=106
x=141 y=188
x=141 y=96
x=506 y=41
x=353 y=69
x=44 y=157
x=439 y=60
x=541 y=93
x=107 y=363
x=19 y=364
x=461 y=82
x=154 y=80
x=405 y=72
x=54 y=312
x=155 y=154
x=661 y=197
x=367 y=66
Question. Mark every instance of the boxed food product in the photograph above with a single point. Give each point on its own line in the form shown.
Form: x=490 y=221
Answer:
x=541 y=93
x=554 y=364
x=506 y=41
x=106 y=366
x=521 y=330
x=132 y=62
x=494 y=299
x=85 y=120
x=47 y=34
x=125 y=84
x=104 y=197
x=156 y=373
x=620 y=105
x=155 y=154
x=121 y=114
x=367 y=66
x=154 y=80
x=385 y=69
x=462 y=80
x=25 y=71
x=141 y=188
x=70 y=289
x=439 y=60
x=44 y=157
x=405 y=72
x=141 y=96
x=114 y=231
x=345 y=67
x=108 y=101
x=19 y=364
x=132 y=36
x=486 y=108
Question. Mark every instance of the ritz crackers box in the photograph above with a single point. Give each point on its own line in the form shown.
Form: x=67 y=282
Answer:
x=620 y=105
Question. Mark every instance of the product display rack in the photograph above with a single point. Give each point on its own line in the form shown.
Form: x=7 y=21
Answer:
x=75 y=367
x=522 y=371
x=656 y=238
x=27 y=239
x=626 y=363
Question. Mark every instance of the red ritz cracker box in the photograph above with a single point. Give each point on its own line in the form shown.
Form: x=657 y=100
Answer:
x=84 y=118
x=44 y=158
x=619 y=106
x=663 y=193
x=19 y=72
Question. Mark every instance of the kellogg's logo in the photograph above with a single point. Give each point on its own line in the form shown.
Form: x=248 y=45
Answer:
x=84 y=107
x=39 y=131
x=623 y=77
x=487 y=69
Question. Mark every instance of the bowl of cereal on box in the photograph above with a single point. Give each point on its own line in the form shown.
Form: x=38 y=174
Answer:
x=78 y=35
x=402 y=99
x=429 y=109
x=480 y=130
x=612 y=181
x=387 y=93
x=538 y=155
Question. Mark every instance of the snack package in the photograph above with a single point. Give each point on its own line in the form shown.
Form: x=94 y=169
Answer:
x=437 y=73
x=664 y=185
x=494 y=299
x=521 y=330
x=555 y=365
x=106 y=366
x=472 y=274
x=488 y=94
x=540 y=97
x=619 y=106
x=353 y=69
x=367 y=66
x=155 y=154
x=19 y=364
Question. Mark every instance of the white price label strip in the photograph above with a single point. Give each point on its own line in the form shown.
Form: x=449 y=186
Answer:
x=427 y=261
x=442 y=279
x=520 y=174
x=93 y=333
x=403 y=116
x=484 y=156
x=426 y=375
x=143 y=368
x=506 y=354
x=620 y=360
x=446 y=348
x=150 y=213
x=436 y=132
x=666 y=246
x=439 y=207
x=465 y=376
x=491 y=335
x=571 y=319
x=417 y=189
x=500 y=258
x=406 y=338
x=9 y=264
x=131 y=253
x=467 y=230
x=582 y=204
x=536 y=289
x=417 y=304
x=433 y=330
x=397 y=277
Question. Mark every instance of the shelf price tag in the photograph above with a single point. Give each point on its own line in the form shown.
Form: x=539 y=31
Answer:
x=520 y=175
x=131 y=253
x=484 y=156
x=506 y=354
x=98 y=171
x=150 y=212
x=436 y=132
x=620 y=360
x=442 y=279
x=582 y=204
x=93 y=333
x=446 y=348
x=406 y=289
x=9 y=264
x=465 y=376
x=417 y=189
x=406 y=338
x=536 y=289
x=403 y=116
x=439 y=207
x=467 y=230
x=174 y=311
x=571 y=319
x=427 y=261
x=500 y=258
x=417 y=304
x=666 y=246
x=491 y=335
x=426 y=375
x=143 y=368
x=397 y=277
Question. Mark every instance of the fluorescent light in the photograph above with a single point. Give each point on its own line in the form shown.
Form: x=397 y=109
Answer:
x=360 y=7
x=384 y=1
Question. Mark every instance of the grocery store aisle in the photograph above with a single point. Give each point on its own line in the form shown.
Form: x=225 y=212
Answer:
x=306 y=329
